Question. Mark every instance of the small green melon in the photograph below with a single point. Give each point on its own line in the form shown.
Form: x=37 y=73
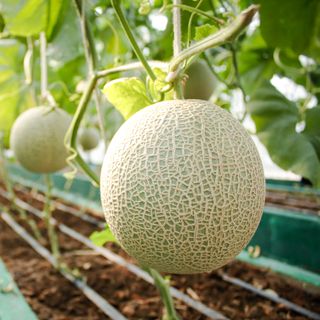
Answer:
x=37 y=139
x=201 y=81
x=89 y=138
x=182 y=186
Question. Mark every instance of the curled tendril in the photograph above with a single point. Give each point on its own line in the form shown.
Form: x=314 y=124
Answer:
x=153 y=91
x=27 y=65
x=71 y=159
x=167 y=88
x=73 y=154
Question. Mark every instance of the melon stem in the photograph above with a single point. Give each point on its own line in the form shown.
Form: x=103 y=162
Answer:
x=47 y=210
x=43 y=66
x=71 y=135
x=92 y=61
x=164 y=290
x=176 y=21
x=127 y=30
x=225 y=35
x=46 y=96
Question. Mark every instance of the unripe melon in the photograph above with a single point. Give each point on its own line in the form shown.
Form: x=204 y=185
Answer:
x=201 y=82
x=89 y=138
x=182 y=186
x=37 y=139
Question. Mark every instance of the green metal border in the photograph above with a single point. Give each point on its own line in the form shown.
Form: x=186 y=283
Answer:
x=79 y=190
x=13 y=306
x=281 y=267
x=290 y=237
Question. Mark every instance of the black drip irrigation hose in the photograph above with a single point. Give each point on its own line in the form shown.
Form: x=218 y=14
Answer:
x=83 y=216
x=212 y=314
x=196 y=305
x=92 y=295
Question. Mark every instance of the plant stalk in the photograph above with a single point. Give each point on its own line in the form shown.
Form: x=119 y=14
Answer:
x=28 y=61
x=43 y=66
x=224 y=35
x=71 y=135
x=88 y=45
x=195 y=10
x=176 y=20
x=45 y=94
x=125 y=25
x=91 y=58
x=163 y=288
x=52 y=235
x=190 y=22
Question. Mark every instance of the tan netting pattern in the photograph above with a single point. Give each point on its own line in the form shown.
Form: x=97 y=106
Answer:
x=182 y=186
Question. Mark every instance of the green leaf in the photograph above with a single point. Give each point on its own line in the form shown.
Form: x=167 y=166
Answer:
x=204 y=31
x=312 y=128
x=128 y=95
x=66 y=43
x=29 y=17
x=255 y=62
x=290 y=23
x=1 y=23
x=54 y=9
x=99 y=238
x=25 y=18
x=275 y=118
x=185 y=16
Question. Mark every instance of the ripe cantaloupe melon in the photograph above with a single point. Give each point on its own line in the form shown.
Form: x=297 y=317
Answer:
x=37 y=139
x=201 y=82
x=89 y=138
x=182 y=186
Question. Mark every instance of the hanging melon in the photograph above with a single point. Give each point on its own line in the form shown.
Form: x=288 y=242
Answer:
x=182 y=186
x=37 y=139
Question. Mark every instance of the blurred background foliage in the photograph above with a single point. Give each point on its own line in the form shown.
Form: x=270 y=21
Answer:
x=281 y=46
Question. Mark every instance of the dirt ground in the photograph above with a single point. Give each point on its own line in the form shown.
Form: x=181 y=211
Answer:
x=53 y=297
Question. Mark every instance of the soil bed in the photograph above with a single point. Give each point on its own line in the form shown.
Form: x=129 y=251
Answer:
x=53 y=297
x=298 y=202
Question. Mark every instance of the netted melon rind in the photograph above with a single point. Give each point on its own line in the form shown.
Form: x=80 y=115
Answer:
x=182 y=186
x=37 y=139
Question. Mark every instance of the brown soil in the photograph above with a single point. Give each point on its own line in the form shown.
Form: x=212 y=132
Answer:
x=299 y=202
x=53 y=297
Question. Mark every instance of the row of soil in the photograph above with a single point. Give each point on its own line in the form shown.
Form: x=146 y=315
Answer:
x=298 y=202
x=52 y=297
